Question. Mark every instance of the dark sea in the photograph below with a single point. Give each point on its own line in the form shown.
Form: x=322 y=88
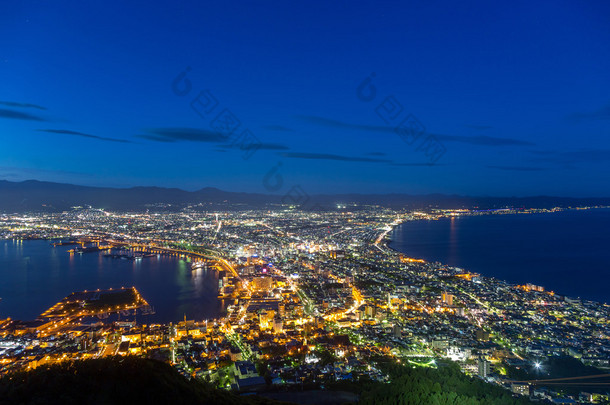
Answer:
x=35 y=275
x=567 y=252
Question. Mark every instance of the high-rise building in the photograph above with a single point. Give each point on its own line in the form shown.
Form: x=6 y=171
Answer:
x=397 y=331
x=482 y=335
x=484 y=367
x=278 y=324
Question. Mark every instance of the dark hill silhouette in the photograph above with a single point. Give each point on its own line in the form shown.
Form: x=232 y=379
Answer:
x=33 y=195
x=113 y=380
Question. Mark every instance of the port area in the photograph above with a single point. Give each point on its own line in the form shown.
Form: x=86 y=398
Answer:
x=94 y=303
x=66 y=243
x=126 y=255
x=89 y=249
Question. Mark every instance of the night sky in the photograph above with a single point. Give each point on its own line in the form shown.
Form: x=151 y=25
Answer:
x=473 y=98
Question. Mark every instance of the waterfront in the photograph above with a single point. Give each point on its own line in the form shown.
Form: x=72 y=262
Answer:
x=36 y=275
x=302 y=286
x=567 y=252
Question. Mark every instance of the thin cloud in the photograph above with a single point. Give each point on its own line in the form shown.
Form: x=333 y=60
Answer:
x=156 y=138
x=18 y=115
x=572 y=157
x=472 y=140
x=28 y=172
x=171 y=135
x=83 y=135
x=483 y=140
x=183 y=134
x=280 y=128
x=415 y=164
x=479 y=127
x=601 y=114
x=21 y=105
x=328 y=156
x=260 y=146
x=517 y=168
x=323 y=121
x=596 y=155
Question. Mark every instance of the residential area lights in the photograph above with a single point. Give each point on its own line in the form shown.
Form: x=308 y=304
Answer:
x=311 y=297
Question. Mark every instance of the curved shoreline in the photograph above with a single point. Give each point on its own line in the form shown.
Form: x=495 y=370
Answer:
x=591 y=295
x=386 y=242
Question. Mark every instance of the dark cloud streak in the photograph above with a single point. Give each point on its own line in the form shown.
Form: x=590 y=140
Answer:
x=21 y=105
x=280 y=128
x=479 y=127
x=83 y=135
x=260 y=146
x=183 y=134
x=415 y=164
x=601 y=114
x=472 y=140
x=172 y=135
x=517 y=168
x=328 y=156
x=18 y=115
x=156 y=138
x=483 y=140
x=569 y=158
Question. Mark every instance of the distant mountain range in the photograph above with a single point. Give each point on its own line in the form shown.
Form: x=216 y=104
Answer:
x=33 y=195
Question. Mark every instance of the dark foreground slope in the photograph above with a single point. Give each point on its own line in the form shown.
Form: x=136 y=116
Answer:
x=122 y=380
x=443 y=385
x=132 y=380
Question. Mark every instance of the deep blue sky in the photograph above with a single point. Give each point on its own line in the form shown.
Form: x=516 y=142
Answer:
x=517 y=95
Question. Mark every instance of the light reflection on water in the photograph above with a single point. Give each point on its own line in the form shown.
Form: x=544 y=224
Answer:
x=35 y=275
x=566 y=252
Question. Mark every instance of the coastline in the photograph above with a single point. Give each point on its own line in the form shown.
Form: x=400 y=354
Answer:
x=159 y=281
x=390 y=243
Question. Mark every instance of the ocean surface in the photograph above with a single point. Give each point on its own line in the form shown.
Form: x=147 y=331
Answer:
x=567 y=252
x=35 y=275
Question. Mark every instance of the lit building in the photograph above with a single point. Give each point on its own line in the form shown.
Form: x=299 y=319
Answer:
x=520 y=388
x=262 y=283
x=484 y=367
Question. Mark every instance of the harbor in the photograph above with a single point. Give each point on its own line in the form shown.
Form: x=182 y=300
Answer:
x=174 y=285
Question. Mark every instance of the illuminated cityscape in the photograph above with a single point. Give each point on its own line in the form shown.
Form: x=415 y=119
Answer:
x=313 y=203
x=316 y=296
